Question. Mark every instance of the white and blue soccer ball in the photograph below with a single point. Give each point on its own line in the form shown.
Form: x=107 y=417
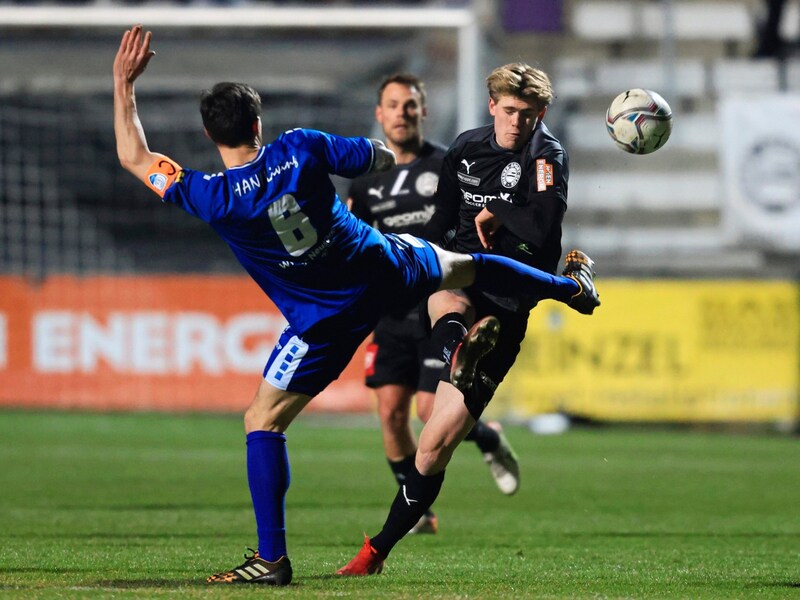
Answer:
x=639 y=121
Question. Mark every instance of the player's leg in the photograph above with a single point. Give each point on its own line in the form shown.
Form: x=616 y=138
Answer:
x=484 y=375
x=394 y=413
x=449 y=423
x=268 y=475
x=430 y=367
x=451 y=312
x=399 y=442
x=454 y=415
x=392 y=370
x=297 y=370
x=504 y=276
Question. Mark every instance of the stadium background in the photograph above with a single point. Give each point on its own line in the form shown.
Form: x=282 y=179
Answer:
x=111 y=300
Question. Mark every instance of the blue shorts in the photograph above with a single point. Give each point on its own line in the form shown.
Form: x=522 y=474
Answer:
x=306 y=363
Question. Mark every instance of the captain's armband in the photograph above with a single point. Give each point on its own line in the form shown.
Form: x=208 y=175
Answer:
x=162 y=174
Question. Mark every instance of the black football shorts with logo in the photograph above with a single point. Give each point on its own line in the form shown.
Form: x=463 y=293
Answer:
x=400 y=354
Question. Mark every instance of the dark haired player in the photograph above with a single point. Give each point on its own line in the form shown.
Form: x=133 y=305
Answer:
x=330 y=274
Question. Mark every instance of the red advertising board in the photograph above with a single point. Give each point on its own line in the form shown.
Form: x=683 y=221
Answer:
x=145 y=343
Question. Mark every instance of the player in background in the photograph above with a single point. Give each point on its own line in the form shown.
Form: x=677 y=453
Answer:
x=504 y=188
x=330 y=274
x=400 y=362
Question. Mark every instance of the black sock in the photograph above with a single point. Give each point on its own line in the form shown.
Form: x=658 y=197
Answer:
x=400 y=468
x=486 y=438
x=446 y=334
x=413 y=498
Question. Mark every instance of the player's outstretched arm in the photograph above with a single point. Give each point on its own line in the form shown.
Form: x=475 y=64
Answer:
x=384 y=158
x=132 y=57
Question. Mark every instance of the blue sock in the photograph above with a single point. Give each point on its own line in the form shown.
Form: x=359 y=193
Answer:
x=268 y=476
x=506 y=277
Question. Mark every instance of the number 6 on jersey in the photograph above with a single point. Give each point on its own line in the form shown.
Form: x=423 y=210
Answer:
x=292 y=225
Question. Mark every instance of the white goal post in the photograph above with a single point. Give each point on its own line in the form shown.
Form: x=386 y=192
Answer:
x=464 y=22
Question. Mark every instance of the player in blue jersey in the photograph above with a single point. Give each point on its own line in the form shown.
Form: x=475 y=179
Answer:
x=330 y=274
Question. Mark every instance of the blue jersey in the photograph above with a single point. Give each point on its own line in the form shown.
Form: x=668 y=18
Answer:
x=284 y=222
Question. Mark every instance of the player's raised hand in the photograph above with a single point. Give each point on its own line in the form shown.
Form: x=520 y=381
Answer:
x=486 y=224
x=133 y=55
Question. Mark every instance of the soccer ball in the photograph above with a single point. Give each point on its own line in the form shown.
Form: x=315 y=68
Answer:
x=639 y=121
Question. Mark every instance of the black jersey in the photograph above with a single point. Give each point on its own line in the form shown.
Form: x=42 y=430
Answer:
x=400 y=200
x=526 y=189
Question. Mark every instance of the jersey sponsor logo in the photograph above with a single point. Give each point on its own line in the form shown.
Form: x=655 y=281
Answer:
x=506 y=197
x=479 y=199
x=467 y=165
x=415 y=217
x=468 y=179
x=510 y=175
x=383 y=206
x=426 y=184
x=376 y=191
x=544 y=175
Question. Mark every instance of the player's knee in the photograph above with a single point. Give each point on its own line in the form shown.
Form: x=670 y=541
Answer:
x=256 y=418
x=394 y=418
x=253 y=420
x=273 y=409
x=458 y=270
x=432 y=461
x=445 y=302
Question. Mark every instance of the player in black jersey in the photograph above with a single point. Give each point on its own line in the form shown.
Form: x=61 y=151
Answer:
x=400 y=361
x=504 y=188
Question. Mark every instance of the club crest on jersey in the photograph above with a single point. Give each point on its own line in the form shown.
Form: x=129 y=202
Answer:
x=426 y=184
x=544 y=175
x=510 y=175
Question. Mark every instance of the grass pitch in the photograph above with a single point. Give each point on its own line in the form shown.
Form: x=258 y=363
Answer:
x=145 y=506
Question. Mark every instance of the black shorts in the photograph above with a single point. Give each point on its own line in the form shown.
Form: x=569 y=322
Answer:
x=401 y=354
x=498 y=362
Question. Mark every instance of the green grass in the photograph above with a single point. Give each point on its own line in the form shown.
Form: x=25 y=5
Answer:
x=145 y=506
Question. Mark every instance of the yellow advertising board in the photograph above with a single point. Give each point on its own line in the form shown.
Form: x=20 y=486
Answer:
x=702 y=351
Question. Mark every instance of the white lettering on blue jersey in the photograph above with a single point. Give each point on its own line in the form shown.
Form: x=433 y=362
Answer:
x=275 y=171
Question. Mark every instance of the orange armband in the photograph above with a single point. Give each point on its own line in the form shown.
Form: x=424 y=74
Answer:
x=162 y=174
